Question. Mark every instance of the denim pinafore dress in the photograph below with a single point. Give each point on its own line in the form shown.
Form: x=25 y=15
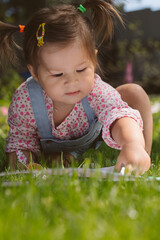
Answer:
x=49 y=143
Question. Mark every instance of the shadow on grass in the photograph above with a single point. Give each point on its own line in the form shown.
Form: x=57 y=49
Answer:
x=2 y=154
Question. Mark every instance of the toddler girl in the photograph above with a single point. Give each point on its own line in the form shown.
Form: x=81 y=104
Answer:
x=65 y=105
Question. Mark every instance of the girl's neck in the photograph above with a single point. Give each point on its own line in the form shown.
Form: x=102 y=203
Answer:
x=60 y=112
x=58 y=106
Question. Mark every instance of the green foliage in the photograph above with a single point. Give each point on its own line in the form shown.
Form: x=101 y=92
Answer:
x=9 y=81
x=12 y=11
x=73 y=208
x=143 y=52
x=104 y=156
x=3 y=134
x=2 y=154
x=145 y=57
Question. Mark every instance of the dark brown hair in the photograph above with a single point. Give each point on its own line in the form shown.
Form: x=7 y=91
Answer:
x=64 y=24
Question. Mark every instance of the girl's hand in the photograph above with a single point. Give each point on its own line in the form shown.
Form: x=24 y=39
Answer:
x=135 y=157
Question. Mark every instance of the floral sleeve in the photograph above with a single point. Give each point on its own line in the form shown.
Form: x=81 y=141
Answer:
x=109 y=107
x=22 y=127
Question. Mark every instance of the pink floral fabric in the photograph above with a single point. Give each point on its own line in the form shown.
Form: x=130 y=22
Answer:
x=104 y=99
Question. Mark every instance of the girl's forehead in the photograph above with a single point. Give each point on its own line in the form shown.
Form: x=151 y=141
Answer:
x=54 y=48
x=71 y=52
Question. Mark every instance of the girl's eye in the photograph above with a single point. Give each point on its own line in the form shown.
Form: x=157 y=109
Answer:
x=82 y=70
x=57 y=75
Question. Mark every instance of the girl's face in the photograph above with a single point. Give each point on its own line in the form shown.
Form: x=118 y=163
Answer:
x=65 y=73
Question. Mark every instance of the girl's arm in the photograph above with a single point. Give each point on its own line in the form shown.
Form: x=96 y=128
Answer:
x=23 y=140
x=127 y=133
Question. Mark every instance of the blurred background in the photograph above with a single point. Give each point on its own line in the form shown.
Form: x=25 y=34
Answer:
x=133 y=55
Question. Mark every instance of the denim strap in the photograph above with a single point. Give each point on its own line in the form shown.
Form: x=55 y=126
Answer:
x=39 y=108
x=89 y=111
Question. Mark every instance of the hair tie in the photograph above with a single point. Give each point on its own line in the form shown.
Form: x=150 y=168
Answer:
x=21 y=28
x=40 y=38
x=81 y=8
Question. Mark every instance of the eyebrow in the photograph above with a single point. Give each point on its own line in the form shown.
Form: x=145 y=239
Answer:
x=82 y=63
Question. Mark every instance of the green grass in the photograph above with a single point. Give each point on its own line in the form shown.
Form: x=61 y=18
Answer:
x=66 y=208
x=73 y=208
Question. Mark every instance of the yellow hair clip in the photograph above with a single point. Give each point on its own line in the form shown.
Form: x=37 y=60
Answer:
x=40 y=38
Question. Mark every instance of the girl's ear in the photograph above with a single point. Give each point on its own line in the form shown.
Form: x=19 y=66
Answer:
x=32 y=72
x=96 y=51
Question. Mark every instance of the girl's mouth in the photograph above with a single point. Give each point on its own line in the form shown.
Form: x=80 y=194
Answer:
x=73 y=93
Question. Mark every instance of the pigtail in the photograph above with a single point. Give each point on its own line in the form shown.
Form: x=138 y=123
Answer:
x=103 y=15
x=8 y=47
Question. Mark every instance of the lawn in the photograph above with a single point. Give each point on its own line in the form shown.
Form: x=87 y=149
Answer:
x=63 y=207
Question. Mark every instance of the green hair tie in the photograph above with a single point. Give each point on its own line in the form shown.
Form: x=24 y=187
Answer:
x=81 y=8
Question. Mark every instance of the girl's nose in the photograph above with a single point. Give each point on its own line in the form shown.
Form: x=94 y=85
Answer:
x=72 y=78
